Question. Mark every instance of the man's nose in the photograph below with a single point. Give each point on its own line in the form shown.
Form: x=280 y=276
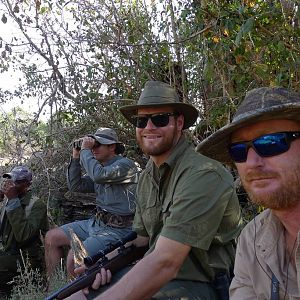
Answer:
x=150 y=125
x=253 y=158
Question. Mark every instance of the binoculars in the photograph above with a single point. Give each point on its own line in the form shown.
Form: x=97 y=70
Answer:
x=77 y=143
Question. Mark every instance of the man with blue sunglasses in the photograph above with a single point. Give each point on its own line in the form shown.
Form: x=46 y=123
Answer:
x=187 y=210
x=263 y=141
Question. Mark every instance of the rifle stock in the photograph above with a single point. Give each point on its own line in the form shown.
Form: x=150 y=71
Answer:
x=126 y=256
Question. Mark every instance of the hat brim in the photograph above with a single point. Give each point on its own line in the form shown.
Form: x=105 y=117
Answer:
x=120 y=148
x=16 y=177
x=216 y=145
x=189 y=112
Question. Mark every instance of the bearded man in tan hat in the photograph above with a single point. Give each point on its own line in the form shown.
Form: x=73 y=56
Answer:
x=263 y=143
x=187 y=210
x=113 y=178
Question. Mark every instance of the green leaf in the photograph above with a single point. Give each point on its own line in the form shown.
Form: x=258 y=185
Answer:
x=208 y=70
x=261 y=70
x=281 y=46
x=90 y=71
x=239 y=37
x=247 y=27
x=44 y=9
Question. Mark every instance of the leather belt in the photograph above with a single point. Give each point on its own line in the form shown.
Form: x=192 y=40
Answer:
x=114 y=220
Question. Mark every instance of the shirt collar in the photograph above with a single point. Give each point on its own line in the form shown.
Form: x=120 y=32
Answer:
x=269 y=231
x=172 y=159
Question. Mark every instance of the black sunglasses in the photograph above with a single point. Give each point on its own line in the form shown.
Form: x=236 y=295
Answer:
x=265 y=146
x=96 y=144
x=158 y=120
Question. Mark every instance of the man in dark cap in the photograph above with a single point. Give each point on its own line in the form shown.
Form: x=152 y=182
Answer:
x=23 y=220
x=113 y=178
x=263 y=141
x=187 y=210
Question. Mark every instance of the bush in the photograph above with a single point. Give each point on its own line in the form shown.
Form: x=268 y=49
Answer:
x=31 y=284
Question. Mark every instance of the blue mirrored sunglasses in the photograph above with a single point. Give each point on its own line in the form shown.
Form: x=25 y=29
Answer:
x=158 y=120
x=265 y=146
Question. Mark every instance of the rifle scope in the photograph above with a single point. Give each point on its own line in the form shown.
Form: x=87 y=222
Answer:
x=91 y=260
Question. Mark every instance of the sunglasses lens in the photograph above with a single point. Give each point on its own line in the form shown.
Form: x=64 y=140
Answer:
x=140 y=122
x=238 y=152
x=96 y=144
x=265 y=146
x=271 y=144
x=161 y=120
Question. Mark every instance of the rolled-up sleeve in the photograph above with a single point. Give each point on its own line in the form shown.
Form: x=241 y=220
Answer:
x=242 y=286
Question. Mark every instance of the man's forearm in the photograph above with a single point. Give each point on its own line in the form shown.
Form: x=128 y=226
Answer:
x=144 y=280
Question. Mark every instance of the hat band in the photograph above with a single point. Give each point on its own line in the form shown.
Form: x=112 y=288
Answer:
x=106 y=137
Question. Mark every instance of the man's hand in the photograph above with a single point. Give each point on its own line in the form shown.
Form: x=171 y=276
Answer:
x=151 y=273
x=9 y=189
x=102 y=278
x=87 y=143
x=76 y=153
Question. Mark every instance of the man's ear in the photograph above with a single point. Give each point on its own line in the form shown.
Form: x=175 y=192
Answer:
x=113 y=147
x=29 y=183
x=180 y=122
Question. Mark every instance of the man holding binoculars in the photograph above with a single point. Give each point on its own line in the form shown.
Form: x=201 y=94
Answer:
x=113 y=178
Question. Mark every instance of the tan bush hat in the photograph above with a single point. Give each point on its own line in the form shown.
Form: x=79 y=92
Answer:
x=108 y=136
x=156 y=94
x=266 y=103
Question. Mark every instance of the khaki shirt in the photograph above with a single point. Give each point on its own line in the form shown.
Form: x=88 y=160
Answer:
x=190 y=199
x=261 y=252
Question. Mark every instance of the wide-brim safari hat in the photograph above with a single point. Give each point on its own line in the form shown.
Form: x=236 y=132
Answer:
x=266 y=103
x=156 y=94
x=108 y=136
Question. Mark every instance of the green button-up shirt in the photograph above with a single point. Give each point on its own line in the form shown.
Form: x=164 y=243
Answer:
x=190 y=199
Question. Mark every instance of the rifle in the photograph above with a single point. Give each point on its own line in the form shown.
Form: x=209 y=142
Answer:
x=126 y=255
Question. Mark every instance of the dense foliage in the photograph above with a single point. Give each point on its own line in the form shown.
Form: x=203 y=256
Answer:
x=81 y=60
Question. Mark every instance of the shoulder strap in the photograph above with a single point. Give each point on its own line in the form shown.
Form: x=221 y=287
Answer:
x=274 y=288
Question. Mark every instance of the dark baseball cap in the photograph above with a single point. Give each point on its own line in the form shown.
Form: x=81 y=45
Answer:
x=108 y=136
x=19 y=173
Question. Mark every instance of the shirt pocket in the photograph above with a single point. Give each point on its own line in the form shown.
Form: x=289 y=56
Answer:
x=166 y=208
x=152 y=214
x=108 y=194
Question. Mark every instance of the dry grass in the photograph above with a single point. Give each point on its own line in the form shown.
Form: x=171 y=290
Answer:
x=30 y=284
